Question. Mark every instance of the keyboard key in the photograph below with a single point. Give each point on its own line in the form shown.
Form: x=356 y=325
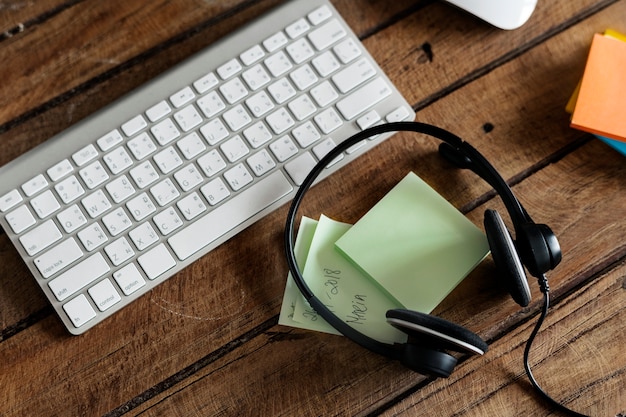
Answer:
x=69 y=189
x=117 y=221
x=259 y=104
x=60 y=170
x=167 y=221
x=93 y=175
x=325 y=64
x=165 y=132
x=211 y=104
x=191 y=146
x=191 y=206
x=303 y=77
x=79 y=310
x=164 y=192
x=214 y=131
x=118 y=160
x=20 y=219
x=182 y=97
x=120 y=189
x=144 y=174
x=326 y=35
x=229 y=69
x=39 y=238
x=96 y=204
x=281 y=90
x=119 y=251
x=141 y=146
x=143 y=236
x=211 y=163
x=318 y=15
x=104 y=294
x=324 y=94
x=283 y=148
x=363 y=98
x=35 y=185
x=280 y=121
x=188 y=118
x=347 y=50
x=300 y=167
x=156 y=261
x=257 y=135
x=10 y=200
x=79 y=276
x=129 y=279
x=238 y=177
x=215 y=191
x=234 y=148
x=353 y=75
x=109 y=140
x=167 y=160
x=92 y=237
x=300 y=50
x=205 y=83
x=230 y=214
x=297 y=28
x=278 y=64
x=328 y=120
x=237 y=118
x=275 y=41
x=158 y=111
x=71 y=218
x=85 y=155
x=141 y=206
x=252 y=55
x=45 y=204
x=261 y=163
x=233 y=90
x=306 y=134
x=58 y=258
x=256 y=77
x=134 y=125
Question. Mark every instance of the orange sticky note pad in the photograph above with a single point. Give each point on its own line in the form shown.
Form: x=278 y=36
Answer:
x=601 y=104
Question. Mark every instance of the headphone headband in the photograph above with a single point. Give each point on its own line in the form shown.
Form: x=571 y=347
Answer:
x=454 y=149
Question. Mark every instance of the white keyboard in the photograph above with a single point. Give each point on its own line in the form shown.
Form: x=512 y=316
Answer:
x=116 y=204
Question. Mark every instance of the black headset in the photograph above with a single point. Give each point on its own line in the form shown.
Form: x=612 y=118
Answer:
x=430 y=338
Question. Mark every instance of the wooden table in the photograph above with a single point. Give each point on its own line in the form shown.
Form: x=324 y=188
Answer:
x=207 y=342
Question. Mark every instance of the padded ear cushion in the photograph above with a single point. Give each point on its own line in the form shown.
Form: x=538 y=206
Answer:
x=506 y=259
x=427 y=361
x=436 y=332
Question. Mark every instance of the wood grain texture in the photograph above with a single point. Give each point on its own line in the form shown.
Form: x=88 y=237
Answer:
x=206 y=341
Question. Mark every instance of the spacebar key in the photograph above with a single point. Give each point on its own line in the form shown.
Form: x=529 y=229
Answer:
x=229 y=215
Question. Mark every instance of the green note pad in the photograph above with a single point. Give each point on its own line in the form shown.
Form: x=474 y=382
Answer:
x=415 y=245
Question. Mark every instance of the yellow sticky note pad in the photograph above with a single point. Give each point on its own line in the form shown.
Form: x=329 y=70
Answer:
x=601 y=99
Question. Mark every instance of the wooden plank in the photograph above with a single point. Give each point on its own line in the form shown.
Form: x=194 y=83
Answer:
x=16 y=17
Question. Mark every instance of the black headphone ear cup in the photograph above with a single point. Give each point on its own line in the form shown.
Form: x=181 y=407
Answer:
x=427 y=361
x=435 y=332
x=506 y=258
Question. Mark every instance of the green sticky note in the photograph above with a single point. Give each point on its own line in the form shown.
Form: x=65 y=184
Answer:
x=349 y=294
x=415 y=245
x=307 y=318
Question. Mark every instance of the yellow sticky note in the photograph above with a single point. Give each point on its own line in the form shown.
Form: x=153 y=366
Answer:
x=602 y=97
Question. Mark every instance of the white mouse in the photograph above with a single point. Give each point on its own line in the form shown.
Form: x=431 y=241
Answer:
x=503 y=14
